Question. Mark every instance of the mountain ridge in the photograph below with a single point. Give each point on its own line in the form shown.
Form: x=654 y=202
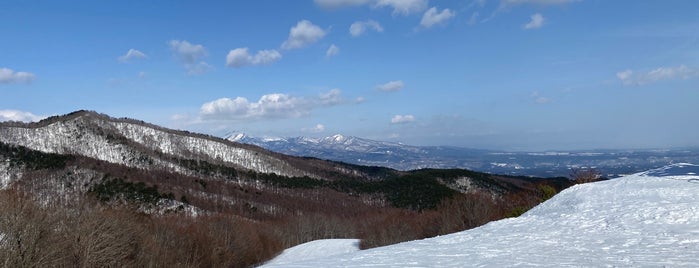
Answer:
x=362 y=151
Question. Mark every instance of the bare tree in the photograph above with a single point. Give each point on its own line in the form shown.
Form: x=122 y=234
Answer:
x=27 y=236
x=103 y=238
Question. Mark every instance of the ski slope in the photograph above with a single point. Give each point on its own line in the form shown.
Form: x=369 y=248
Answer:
x=649 y=219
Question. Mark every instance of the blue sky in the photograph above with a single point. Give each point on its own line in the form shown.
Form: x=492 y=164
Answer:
x=495 y=74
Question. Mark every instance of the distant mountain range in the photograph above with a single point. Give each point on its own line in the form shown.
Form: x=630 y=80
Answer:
x=355 y=150
x=368 y=152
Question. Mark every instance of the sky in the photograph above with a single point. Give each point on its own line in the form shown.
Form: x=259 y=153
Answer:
x=489 y=74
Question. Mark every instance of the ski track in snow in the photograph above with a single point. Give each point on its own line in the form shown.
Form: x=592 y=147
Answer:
x=649 y=219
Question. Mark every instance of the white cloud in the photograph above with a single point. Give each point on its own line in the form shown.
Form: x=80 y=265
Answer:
x=359 y=100
x=358 y=28
x=403 y=7
x=400 y=7
x=190 y=56
x=537 y=20
x=433 y=17
x=402 y=119
x=663 y=73
x=14 y=115
x=303 y=34
x=186 y=52
x=316 y=129
x=131 y=55
x=240 y=57
x=8 y=76
x=391 y=86
x=270 y=106
x=332 y=51
x=332 y=97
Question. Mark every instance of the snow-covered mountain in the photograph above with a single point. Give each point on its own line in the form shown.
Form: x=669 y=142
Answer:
x=360 y=151
x=336 y=142
x=649 y=219
x=363 y=151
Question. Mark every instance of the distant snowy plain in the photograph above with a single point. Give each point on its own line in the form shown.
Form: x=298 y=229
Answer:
x=649 y=219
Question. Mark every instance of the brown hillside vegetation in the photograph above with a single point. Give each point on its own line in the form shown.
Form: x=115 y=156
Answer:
x=86 y=233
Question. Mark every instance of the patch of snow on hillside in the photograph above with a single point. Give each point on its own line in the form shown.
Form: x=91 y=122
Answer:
x=649 y=219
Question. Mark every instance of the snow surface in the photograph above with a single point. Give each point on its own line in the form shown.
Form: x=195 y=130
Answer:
x=316 y=250
x=649 y=219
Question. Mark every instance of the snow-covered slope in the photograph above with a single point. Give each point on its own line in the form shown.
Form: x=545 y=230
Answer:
x=316 y=250
x=136 y=144
x=649 y=219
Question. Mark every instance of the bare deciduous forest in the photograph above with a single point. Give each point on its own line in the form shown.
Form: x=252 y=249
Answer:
x=85 y=232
